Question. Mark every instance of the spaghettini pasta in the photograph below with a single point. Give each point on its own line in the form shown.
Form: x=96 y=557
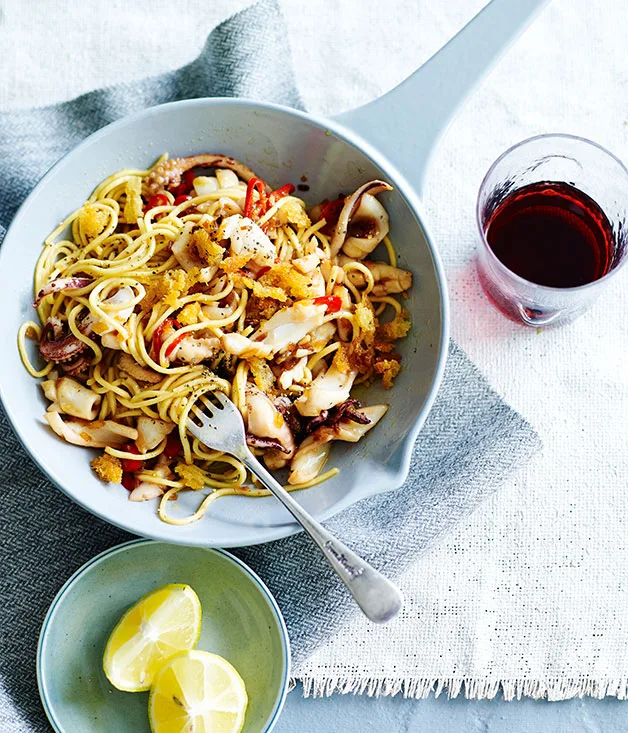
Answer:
x=167 y=285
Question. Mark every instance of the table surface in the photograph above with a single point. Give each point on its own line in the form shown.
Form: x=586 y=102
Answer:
x=350 y=713
x=24 y=40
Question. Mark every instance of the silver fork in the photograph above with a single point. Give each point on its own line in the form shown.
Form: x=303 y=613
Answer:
x=223 y=430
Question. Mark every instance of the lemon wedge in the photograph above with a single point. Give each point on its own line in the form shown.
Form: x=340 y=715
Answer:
x=159 y=625
x=197 y=691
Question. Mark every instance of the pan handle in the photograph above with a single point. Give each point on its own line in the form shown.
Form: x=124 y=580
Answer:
x=407 y=123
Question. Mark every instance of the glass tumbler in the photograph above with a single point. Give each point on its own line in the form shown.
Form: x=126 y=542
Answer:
x=561 y=159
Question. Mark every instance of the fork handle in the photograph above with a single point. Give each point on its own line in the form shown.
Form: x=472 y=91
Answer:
x=379 y=599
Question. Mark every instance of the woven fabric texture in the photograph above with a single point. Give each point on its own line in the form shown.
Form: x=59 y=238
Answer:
x=471 y=442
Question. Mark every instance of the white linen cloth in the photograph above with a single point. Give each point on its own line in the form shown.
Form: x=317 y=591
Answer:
x=530 y=593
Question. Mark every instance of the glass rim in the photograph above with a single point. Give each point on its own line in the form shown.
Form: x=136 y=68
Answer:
x=495 y=259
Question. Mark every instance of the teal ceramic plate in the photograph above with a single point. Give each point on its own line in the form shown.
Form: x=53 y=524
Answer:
x=241 y=622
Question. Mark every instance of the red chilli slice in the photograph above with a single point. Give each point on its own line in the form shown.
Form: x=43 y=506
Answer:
x=174 y=344
x=128 y=464
x=159 y=199
x=255 y=207
x=129 y=481
x=186 y=185
x=332 y=302
x=182 y=199
x=158 y=338
x=173 y=446
x=330 y=211
x=280 y=193
x=188 y=180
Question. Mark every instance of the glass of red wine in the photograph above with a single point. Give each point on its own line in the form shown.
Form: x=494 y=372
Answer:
x=552 y=213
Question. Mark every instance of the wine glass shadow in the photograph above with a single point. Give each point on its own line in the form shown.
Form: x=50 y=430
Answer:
x=473 y=318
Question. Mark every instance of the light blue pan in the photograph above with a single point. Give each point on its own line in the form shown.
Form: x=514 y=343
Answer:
x=391 y=138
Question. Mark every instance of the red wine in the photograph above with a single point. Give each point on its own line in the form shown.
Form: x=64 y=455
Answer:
x=552 y=234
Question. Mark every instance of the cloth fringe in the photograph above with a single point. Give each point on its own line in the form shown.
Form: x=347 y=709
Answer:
x=477 y=689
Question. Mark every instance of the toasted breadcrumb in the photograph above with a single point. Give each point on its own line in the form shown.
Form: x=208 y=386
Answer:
x=395 y=329
x=191 y=476
x=342 y=359
x=285 y=276
x=361 y=356
x=262 y=375
x=92 y=220
x=361 y=353
x=134 y=205
x=384 y=346
x=292 y=212
x=169 y=287
x=190 y=314
x=208 y=251
x=259 y=289
x=269 y=291
x=365 y=319
x=388 y=368
x=108 y=468
x=179 y=284
x=235 y=262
